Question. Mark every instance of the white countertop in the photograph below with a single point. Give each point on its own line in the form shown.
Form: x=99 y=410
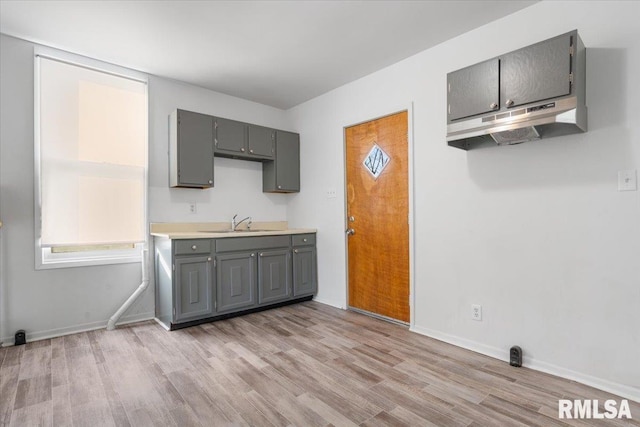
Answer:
x=217 y=230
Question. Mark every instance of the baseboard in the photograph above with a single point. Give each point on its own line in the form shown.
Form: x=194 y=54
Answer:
x=631 y=393
x=332 y=303
x=621 y=390
x=85 y=327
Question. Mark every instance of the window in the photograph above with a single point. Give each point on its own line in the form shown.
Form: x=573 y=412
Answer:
x=90 y=160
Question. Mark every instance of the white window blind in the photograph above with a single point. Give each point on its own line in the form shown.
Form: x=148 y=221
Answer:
x=92 y=139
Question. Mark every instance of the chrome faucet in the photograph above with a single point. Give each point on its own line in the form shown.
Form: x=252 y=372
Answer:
x=234 y=224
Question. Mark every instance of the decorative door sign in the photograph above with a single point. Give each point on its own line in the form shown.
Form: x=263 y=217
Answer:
x=376 y=161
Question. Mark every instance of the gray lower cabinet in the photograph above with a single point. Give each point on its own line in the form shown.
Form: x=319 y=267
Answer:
x=283 y=174
x=236 y=281
x=305 y=276
x=194 y=288
x=201 y=279
x=274 y=275
x=305 y=280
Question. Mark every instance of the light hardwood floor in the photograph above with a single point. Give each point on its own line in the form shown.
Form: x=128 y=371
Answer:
x=302 y=365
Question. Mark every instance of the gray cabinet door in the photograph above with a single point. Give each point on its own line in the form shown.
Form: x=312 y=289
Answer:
x=473 y=90
x=195 y=149
x=261 y=141
x=283 y=174
x=537 y=72
x=274 y=276
x=236 y=281
x=305 y=279
x=231 y=137
x=193 y=288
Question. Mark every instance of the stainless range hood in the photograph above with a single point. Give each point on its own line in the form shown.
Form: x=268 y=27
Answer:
x=548 y=119
x=531 y=93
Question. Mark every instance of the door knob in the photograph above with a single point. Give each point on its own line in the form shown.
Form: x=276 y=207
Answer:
x=350 y=231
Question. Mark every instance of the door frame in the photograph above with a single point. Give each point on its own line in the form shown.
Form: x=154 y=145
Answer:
x=371 y=117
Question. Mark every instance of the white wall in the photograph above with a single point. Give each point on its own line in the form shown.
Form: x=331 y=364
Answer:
x=537 y=233
x=53 y=302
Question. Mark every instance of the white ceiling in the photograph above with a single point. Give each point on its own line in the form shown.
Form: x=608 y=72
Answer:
x=278 y=53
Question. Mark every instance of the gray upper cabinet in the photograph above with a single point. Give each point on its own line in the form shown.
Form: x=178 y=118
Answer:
x=195 y=139
x=240 y=140
x=474 y=90
x=261 y=141
x=190 y=149
x=274 y=274
x=193 y=298
x=283 y=174
x=535 y=73
x=230 y=138
x=538 y=72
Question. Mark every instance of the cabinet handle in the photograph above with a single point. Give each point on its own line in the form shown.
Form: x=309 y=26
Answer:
x=493 y=106
x=261 y=253
x=251 y=151
x=210 y=181
x=509 y=102
x=194 y=247
x=253 y=255
x=209 y=259
x=242 y=149
x=295 y=251
x=304 y=240
x=279 y=187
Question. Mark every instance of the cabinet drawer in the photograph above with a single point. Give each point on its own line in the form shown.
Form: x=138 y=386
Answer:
x=232 y=244
x=195 y=246
x=303 y=239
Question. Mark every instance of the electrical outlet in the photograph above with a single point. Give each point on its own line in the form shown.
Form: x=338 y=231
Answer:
x=627 y=180
x=476 y=312
x=193 y=208
x=331 y=193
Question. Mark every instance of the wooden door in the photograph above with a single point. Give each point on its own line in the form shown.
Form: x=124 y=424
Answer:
x=378 y=214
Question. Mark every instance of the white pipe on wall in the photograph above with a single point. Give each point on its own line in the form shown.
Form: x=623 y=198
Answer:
x=111 y=324
x=3 y=310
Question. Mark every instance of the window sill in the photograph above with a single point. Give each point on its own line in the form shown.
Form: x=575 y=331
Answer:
x=46 y=260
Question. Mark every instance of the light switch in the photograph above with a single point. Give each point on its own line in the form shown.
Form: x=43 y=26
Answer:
x=627 y=180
